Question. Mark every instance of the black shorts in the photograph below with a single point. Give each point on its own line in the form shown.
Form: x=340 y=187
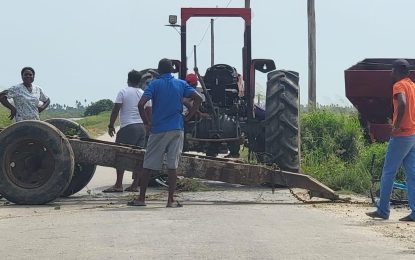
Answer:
x=133 y=134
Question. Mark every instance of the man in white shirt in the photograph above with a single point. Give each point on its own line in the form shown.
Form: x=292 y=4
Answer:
x=132 y=130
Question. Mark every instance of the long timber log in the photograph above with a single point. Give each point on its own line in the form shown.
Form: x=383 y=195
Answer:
x=129 y=158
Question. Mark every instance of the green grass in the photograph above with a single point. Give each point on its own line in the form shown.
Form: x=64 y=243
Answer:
x=335 y=152
x=96 y=125
x=4 y=120
x=193 y=185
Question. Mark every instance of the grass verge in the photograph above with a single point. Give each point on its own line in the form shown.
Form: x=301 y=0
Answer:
x=96 y=125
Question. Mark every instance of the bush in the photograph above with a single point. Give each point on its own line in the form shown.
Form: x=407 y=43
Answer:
x=333 y=151
x=327 y=133
x=98 y=107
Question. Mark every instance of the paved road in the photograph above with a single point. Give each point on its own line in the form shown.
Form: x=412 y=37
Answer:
x=231 y=223
x=227 y=223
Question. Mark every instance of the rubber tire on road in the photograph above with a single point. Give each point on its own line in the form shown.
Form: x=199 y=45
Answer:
x=83 y=172
x=281 y=120
x=58 y=145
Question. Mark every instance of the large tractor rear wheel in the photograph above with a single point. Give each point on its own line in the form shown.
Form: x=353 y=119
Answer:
x=281 y=120
x=83 y=172
x=147 y=75
x=36 y=162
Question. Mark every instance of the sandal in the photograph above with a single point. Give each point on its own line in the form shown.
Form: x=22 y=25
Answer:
x=174 y=204
x=136 y=203
x=112 y=190
x=130 y=189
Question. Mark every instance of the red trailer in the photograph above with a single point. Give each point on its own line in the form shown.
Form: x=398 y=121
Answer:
x=369 y=88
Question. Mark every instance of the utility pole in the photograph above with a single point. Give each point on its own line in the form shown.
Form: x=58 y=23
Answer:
x=311 y=54
x=212 y=43
x=259 y=98
x=195 y=56
x=247 y=3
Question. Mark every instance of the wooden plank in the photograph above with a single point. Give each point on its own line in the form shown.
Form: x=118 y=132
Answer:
x=217 y=169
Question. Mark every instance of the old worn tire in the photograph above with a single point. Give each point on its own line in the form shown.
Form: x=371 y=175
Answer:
x=36 y=162
x=83 y=172
x=281 y=120
x=147 y=75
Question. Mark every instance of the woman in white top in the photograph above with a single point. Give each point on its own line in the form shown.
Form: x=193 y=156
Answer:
x=26 y=98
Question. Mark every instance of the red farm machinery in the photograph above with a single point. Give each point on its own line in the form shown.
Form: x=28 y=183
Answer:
x=271 y=132
x=369 y=88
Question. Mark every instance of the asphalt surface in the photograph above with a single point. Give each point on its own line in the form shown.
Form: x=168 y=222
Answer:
x=228 y=222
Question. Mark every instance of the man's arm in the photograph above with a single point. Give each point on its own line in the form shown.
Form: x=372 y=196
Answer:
x=143 y=114
x=401 y=98
x=187 y=102
x=148 y=110
x=197 y=100
x=114 y=114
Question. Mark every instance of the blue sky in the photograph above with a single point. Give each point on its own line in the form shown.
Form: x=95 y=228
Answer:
x=84 y=49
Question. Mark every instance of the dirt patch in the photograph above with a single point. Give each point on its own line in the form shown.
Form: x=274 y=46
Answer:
x=354 y=212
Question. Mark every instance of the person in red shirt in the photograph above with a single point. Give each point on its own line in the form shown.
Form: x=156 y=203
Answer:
x=401 y=147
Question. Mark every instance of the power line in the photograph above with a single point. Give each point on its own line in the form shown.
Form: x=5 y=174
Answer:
x=207 y=28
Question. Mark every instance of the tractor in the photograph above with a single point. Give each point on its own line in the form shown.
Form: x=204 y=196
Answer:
x=269 y=132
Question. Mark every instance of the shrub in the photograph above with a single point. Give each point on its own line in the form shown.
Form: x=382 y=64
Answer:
x=333 y=151
x=328 y=133
x=98 y=107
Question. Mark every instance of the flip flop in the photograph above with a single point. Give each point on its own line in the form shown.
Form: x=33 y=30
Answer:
x=112 y=190
x=131 y=189
x=176 y=204
x=136 y=203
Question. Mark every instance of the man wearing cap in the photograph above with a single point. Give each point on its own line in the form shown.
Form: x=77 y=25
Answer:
x=401 y=147
x=192 y=80
x=166 y=127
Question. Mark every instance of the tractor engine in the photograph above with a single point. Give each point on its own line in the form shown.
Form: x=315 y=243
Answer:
x=222 y=129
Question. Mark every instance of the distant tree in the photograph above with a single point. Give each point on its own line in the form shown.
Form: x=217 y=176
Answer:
x=78 y=104
x=98 y=107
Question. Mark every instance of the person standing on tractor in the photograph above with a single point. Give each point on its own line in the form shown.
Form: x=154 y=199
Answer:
x=192 y=80
x=166 y=127
x=27 y=98
x=401 y=147
x=132 y=130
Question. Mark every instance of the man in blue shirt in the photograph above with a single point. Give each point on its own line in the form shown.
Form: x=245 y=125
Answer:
x=166 y=127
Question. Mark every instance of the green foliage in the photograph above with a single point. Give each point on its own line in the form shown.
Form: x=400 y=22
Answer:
x=334 y=151
x=328 y=133
x=97 y=124
x=4 y=117
x=98 y=107
x=63 y=111
x=188 y=184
